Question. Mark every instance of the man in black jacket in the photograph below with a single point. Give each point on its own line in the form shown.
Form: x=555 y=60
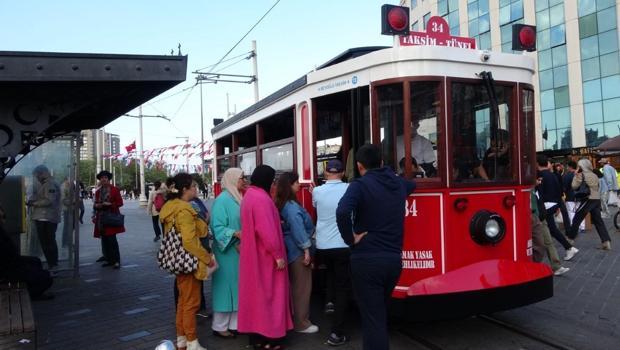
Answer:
x=370 y=218
x=550 y=191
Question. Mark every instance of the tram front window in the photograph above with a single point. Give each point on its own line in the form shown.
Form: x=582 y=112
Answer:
x=482 y=142
x=425 y=108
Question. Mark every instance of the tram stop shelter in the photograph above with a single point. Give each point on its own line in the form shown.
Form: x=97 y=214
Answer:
x=46 y=99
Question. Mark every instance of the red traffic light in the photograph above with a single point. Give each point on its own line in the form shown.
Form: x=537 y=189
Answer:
x=523 y=37
x=394 y=20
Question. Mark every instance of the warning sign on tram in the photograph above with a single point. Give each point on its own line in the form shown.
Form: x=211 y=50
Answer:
x=437 y=34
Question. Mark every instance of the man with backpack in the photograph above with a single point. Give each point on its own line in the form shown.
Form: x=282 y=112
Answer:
x=157 y=198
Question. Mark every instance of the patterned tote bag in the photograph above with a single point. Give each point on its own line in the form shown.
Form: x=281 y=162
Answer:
x=172 y=257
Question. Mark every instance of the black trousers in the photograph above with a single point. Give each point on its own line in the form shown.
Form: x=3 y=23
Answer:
x=553 y=228
x=373 y=281
x=156 y=226
x=109 y=245
x=592 y=206
x=565 y=217
x=46 y=230
x=338 y=271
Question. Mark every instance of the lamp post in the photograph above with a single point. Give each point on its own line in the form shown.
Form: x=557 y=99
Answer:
x=143 y=199
x=187 y=147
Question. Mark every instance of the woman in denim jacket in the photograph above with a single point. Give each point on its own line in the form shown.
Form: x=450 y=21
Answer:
x=298 y=228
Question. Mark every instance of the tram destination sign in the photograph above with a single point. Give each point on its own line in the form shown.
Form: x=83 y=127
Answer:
x=437 y=34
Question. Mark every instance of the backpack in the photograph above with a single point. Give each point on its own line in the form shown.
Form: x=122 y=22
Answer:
x=159 y=201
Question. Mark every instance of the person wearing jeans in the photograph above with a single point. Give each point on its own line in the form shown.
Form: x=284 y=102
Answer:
x=45 y=204
x=371 y=218
x=332 y=250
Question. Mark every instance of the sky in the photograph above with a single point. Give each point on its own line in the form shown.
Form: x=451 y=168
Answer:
x=294 y=38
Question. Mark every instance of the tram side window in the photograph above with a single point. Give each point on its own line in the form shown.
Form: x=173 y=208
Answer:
x=481 y=142
x=425 y=110
x=390 y=107
x=277 y=147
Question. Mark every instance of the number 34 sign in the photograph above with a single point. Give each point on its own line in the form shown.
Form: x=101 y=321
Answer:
x=437 y=34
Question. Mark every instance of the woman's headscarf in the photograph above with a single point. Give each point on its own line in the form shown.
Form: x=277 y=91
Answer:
x=229 y=182
x=585 y=164
x=263 y=177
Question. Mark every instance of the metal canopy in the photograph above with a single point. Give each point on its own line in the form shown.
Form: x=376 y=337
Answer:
x=45 y=95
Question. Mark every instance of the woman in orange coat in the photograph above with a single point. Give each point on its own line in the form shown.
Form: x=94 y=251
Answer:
x=107 y=199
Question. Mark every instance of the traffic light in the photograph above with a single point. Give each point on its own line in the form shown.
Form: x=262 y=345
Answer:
x=394 y=20
x=523 y=37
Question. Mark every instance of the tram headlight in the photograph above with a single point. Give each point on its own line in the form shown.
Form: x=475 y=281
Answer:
x=487 y=227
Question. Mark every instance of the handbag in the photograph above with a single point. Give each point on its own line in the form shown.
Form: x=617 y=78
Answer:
x=172 y=257
x=110 y=219
x=582 y=192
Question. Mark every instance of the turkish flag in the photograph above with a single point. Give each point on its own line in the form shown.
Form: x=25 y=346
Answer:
x=131 y=147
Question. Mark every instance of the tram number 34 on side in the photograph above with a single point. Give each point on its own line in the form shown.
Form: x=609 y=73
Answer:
x=411 y=210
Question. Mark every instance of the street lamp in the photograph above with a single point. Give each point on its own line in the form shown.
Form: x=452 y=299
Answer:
x=143 y=199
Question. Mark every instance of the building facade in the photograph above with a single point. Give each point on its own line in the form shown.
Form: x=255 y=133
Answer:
x=577 y=82
x=109 y=144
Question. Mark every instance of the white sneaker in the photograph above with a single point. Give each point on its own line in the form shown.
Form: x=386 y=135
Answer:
x=562 y=270
x=181 y=341
x=571 y=253
x=311 y=329
x=194 y=345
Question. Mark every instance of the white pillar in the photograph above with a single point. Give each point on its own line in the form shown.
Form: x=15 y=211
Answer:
x=143 y=199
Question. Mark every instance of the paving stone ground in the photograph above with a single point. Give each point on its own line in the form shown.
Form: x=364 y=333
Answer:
x=132 y=308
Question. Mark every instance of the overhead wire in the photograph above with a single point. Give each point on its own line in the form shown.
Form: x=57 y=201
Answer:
x=245 y=35
x=230 y=59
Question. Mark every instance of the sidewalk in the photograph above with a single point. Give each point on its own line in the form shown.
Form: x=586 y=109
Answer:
x=132 y=308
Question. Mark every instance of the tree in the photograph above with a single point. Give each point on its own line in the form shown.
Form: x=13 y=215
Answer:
x=87 y=172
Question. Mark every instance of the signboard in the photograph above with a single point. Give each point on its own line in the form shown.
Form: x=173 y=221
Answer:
x=437 y=34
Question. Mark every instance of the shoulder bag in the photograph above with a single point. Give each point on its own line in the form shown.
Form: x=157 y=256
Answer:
x=110 y=219
x=172 y=257
x=582 y=193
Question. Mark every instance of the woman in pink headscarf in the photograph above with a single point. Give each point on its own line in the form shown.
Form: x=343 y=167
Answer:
x=264 y=302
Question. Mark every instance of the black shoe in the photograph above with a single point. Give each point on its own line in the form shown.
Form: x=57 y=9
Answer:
x=157 y=238
x=335 y=340
x=107 y=264
x=230 y=335
x=101 y=259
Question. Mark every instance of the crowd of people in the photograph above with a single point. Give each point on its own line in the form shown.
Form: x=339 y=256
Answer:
x=567 y=195
x=264 y=243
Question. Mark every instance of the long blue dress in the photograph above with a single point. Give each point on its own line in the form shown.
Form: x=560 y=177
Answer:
x=225 y=221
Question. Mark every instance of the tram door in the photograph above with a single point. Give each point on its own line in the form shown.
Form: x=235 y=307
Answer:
x=342 y=125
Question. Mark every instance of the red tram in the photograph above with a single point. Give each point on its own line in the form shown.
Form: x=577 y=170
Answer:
x=460 y=121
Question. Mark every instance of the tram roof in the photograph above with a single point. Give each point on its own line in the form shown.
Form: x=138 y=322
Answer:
x=344 y=56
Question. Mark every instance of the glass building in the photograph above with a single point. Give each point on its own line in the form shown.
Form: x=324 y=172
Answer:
x=578 y=63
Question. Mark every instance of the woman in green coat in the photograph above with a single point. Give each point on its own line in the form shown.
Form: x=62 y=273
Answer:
x=226 y=229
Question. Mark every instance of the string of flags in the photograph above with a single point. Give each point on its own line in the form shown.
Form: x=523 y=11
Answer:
x=165 y=157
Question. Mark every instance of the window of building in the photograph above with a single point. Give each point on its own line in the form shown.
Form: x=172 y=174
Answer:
x=600 y=69
x=426 y=18
x=479 y=23
x=415 y=26
x=449 y=10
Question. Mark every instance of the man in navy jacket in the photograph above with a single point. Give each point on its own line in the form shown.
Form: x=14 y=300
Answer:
x=370 y=217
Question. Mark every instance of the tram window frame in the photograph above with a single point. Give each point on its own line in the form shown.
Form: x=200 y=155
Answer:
x=287 y=141
x=439 y=147
x=528 y=136
x=515 y=141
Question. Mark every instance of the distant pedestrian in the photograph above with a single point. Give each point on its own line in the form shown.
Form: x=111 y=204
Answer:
x=226 y=230
x=107 y=200
x=297 y=228
x=608 y=184
x=178 y=213
x=45 y=204
x=370 y=218
x=331 y=248
x=155 y=203
x=591 y=205
x=264 y=301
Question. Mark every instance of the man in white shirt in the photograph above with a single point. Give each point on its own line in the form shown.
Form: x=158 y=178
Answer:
x=421 y=149
x=332 y=250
